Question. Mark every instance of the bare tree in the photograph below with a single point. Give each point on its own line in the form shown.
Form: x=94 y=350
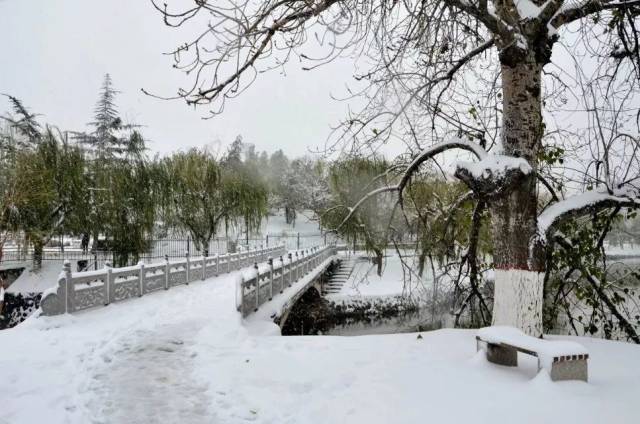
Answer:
x=475 y=75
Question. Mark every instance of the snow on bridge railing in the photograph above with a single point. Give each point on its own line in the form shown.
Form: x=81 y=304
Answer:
x=83 y=290
x=263 y=284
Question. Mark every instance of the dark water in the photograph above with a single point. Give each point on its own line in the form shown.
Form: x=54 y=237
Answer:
x=313 y=315
x=404 y=322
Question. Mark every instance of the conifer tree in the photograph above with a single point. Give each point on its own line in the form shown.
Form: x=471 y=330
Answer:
x=24 y=123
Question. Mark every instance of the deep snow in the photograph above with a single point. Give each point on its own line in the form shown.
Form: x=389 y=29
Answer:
x=186 y=356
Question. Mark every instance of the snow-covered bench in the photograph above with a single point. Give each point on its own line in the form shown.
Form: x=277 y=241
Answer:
x=563 y=360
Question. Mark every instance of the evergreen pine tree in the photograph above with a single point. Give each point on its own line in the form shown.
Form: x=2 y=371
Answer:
x=110 y=136
x=24 y=123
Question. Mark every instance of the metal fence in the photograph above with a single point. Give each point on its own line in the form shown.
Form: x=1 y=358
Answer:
x=15 y=254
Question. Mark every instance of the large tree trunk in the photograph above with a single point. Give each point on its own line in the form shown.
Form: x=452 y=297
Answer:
x=519 y=272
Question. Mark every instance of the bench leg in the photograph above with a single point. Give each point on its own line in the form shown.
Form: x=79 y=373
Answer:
x=502 y=355
x=570 y=370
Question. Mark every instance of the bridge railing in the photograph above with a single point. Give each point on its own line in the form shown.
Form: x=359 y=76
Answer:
x=83 y=290
x=277 y=275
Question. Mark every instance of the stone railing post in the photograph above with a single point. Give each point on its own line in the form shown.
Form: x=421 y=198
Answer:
x=270 y=260
x=142 y=275
x=312 y=255
x=290 y=270
x=257 y=280
x=107 y=283
x=303 y=258
x=312 y=258
x=166 y=272
x=297 y=267
x=304 y=262
x=282 y=269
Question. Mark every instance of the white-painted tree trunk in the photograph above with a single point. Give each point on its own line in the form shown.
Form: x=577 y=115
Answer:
x=518 y=300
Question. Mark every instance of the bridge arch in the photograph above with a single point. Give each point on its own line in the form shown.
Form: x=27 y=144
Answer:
x=298 y=305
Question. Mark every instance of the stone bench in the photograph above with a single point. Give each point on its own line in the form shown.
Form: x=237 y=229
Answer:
x=562 y=359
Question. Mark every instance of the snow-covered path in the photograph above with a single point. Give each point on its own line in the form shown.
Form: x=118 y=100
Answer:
x=185 y=356
x=148 y=378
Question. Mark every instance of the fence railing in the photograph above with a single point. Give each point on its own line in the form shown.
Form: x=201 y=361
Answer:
x=19 y=252
x=272 y=279
x=83 y=290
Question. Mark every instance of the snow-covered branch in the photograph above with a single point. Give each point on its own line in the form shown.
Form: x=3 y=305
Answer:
x=455 y=143
x=582 y=204
x=580 y=9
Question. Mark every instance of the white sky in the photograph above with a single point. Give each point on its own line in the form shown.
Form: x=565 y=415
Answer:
x=55 y=54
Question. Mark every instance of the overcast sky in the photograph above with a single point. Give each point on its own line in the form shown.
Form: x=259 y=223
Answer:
x=55 y=54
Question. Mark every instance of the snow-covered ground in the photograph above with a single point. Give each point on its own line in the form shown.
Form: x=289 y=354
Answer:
x=186 y=356
x=305 y=224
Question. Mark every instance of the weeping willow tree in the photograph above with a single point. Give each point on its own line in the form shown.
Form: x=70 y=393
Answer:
x=199 y=195
x=373 y=222
x=192 y=194
x=248 y=195
x=131 y=211
x=454 y=242
x=50 y=181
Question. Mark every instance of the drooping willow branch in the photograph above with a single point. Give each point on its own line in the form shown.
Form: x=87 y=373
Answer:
x=412 y=168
